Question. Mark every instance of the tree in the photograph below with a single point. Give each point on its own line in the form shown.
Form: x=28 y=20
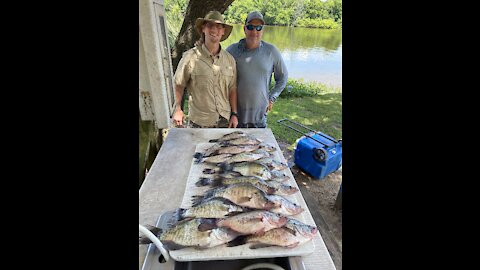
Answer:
x=188 y=35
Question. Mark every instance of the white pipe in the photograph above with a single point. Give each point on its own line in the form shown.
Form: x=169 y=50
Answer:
x=263 y=265
x=155 y=241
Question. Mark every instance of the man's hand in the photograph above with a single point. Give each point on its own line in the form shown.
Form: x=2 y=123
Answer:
x=178 y=118
x=233 y=123
x=270 y=105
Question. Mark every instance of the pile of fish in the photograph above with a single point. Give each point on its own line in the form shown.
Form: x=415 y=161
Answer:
x=246 y=204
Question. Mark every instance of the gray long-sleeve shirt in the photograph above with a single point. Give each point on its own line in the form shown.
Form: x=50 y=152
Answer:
x=254 y=73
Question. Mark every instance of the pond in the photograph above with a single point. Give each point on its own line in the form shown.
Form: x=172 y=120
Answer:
x=310 y=54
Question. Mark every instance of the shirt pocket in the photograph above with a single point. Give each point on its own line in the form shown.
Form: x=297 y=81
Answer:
x=202 y=77
x=226 y=77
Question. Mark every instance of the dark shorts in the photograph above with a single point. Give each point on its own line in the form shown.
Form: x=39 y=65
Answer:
x=222 y=123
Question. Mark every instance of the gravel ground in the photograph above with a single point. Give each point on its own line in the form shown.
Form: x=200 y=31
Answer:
x=320 y=196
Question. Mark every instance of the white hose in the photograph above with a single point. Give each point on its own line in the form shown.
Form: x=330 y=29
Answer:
x=263 y=265
x=155 y=241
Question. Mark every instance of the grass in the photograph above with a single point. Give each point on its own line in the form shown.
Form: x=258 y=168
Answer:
x=314 y=105
x=318 y=108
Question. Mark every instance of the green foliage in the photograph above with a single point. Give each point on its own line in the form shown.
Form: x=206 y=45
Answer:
x=313 y=13
x=319 y=23
x=175 y=11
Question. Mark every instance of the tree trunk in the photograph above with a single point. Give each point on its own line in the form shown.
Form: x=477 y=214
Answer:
x=188 y=35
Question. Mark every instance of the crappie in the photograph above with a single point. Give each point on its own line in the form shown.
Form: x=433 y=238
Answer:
x=253 y=222
x=244 y=140
x=186 y=234
x=281 y=189
x=243 y=194
x=272 y=164
x=218 y=180
x=213 y=159
x=283 y=205
x=292 y=234
x=230 y=136
x=246 y=156
x=247 y=169
x=213 y=208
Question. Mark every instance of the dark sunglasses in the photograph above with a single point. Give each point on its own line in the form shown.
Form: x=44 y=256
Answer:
x=258 y=27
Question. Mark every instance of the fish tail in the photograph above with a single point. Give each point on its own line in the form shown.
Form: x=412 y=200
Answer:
x=208 y=171
x=144 y=239
x=225 y=167
x=196 y=200
x=203 y=181
x=207 y=224
x=217 y=181
x=198 y=155
x=238 y=241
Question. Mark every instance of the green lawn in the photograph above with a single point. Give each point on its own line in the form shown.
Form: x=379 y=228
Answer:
x=322 y=112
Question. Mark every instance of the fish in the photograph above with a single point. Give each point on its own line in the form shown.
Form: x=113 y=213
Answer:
x=247 y=169
x=245 y=156
x=272 y=164
x=212 y=208
x=208 y=152
x=229 y=136
x=281 y=189
x=242 y=194
x=187 y=234
x=278 y=176
x=244 y=140
x=214 y=159
x=253 y=222
x=283 y=205
x=222 y=181
x=292 y=234
x=267 y=147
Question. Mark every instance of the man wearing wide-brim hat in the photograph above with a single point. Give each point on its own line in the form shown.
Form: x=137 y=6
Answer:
x=209 y=74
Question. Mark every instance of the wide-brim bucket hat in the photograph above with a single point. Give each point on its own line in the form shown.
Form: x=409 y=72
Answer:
x=216 y=17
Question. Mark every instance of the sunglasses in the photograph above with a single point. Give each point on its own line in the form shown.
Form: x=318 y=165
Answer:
x=257 y=27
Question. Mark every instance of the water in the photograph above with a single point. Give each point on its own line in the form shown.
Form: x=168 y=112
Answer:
x=310 y=54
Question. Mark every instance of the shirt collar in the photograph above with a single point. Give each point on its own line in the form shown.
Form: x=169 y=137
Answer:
x=243 y=42
x=206 y=52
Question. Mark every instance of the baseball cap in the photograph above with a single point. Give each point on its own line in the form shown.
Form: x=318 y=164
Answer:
x=254 y=15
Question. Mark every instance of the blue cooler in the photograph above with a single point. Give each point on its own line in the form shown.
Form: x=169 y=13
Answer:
x=317 y=153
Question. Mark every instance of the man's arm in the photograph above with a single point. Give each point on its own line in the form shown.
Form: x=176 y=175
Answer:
x=233 y=105
x=280 y=75
x=178 y=115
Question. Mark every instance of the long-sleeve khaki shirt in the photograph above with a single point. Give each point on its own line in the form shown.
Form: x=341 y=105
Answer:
x=208 y=80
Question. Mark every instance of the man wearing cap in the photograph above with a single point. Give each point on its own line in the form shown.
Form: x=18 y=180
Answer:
x=256 y=61
x=210 y=75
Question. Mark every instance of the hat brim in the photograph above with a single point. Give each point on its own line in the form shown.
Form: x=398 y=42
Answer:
x=228 y=28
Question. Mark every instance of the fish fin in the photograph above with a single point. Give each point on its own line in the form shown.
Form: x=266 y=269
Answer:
x=179 y=214
x=291 y=231
x=207 y=224
x=198 y=155
x=213 y=140
x=233 y=213
x=144 y=239
x=244 y=199
x=293 y=245
x=260 y=245
x=196 y=200
x=203 y=181
x=238 y=241
x=208 y=171
x=170 y=245
x=271 y=190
